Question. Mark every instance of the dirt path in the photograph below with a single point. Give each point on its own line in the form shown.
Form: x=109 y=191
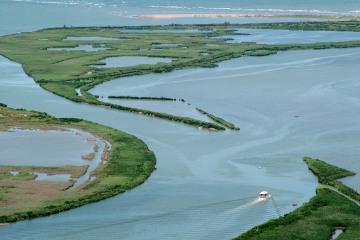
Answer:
x=342 y=194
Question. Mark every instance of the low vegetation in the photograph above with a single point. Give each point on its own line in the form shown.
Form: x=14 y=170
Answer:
x=174 y=118
x=325 y=172
x=63 y=72
x=317 y=219
x=328 y=175
x=129 y=164
x=74 y=171
x=349 y=25
x=143 y=98
x=219 y=120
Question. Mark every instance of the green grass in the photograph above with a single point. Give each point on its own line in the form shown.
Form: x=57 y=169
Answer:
x=130 y=163
x=61 y=72
x=143 y=98
x=219 y=120
x=20 y=176
x=326 y=172
x=317 y=219
x=74 y=171
x=349 y=25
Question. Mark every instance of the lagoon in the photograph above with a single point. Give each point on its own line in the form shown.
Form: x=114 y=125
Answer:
x=127 y=61
x=90 y=39
x=52 y=148
x=205 y=177
x=43 y=148
x=275 y=36
x=86 y=48
x=205 y=183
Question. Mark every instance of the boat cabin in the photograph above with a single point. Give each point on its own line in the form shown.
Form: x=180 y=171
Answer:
x=264 y=195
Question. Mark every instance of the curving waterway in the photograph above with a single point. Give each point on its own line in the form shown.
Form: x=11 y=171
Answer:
x=287 y=105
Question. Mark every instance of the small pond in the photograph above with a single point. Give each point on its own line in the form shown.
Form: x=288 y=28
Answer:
x=164 y=31
x=25 y=147
x=91 y=39
x=128 y=61
x=44 y=148
x=167 y=45
x=86 y=48
x=337 y=233
x=274 y=36
x=52 y=178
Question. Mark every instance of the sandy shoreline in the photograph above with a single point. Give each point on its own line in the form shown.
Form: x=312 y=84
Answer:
x=197 y=15
x=166 y=16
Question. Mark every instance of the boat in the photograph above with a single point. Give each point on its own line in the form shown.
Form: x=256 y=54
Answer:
x=264 y=195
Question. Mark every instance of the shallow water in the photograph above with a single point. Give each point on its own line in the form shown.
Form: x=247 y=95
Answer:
x=271 y=36
x=86 y=48
x=43 y=148
x=28 y=15
x=164 y=31
x=137 y=7
x=205 y=183
x=312 y=111
x=304 y=97
x=91 y=39
x=127 y=61
x=52 y=178
x=165 y=45
x=51 y=148
x=336 y=234
x=94 y=163
x=173 y=107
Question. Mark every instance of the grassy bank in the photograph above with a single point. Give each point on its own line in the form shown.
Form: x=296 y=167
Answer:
x=143 y=98
x=328 y=175
x=317 y=219
x=74 y=171
x=170 y=117
x=219 y=120
x=62 y=72
x=349 y=25
x=129 y=164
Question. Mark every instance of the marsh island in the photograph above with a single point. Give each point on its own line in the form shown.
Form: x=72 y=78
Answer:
x=116 y=162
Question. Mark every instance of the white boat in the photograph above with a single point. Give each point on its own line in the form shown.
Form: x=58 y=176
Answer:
x=264 y=195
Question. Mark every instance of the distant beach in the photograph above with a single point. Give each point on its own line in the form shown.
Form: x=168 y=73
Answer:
x=168 y=16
